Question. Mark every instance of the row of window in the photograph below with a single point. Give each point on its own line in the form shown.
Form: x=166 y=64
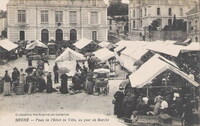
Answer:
x=93 y=2
x=159 y=21
x=94 y=16
x=158 y=12
x=58 y=33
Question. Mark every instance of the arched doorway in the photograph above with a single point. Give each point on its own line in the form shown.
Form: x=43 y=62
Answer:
x=59 y=35
x=73 y=35
x=45 y=35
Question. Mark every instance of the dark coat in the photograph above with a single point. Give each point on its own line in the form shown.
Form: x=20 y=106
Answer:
x=119 y=96
x=64 y=86
x=55 y=69
x=49 y=84
x=41 y=84
x=77 y=82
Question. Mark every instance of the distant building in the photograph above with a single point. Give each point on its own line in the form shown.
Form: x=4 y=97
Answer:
x=118 y=24
x=57 y=19
x=3 y=22
x=194 y=23
x=143 y=12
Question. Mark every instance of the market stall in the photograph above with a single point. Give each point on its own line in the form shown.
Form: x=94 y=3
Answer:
x=7 y=49
x=35 y=49
x=85 y=45
x=69 y=55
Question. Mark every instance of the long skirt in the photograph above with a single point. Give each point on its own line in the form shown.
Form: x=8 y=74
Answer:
x=7 y=90
x=89 y=87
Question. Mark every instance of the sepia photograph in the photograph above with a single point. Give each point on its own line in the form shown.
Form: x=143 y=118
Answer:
x=99 y=62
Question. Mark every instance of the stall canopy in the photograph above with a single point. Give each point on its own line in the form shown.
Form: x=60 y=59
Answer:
x=194 y=46
x=70 y=65
x=7 y=45
x=82 y=43
x=171 y=49
x=152 y=68
x=35 y=44
x=70 y=55
x=107 y=45
x=104 y=54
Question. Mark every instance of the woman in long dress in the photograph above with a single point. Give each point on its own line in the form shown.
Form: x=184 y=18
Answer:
x=119 y=96
x=7 y=84
x=49 y=83
x=89 y=84
x=64 y=86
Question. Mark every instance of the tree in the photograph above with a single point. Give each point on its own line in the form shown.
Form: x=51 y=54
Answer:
x=154 y=25
x=117 y=8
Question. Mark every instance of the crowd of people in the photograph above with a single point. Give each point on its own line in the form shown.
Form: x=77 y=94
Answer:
x=129 y=103
x=39 y=78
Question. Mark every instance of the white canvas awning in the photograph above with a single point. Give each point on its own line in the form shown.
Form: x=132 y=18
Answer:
x=82 y=43
x=152 y=68
x=172 y=50
x=70 y=55
x=107 y=45
x=139 y=53
x=71 y=65
x=34 y=44
x=8 y=45
x=194 y=46
x=104 y=54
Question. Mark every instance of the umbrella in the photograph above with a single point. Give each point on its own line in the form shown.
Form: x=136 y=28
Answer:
x=89 y=54
x=95 y=59
x=29 y=69
x=63 y=70
x=101 y=70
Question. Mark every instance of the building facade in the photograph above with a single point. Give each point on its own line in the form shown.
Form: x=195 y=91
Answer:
x=117 y=24
x=143 y=12
x=3 y=22
x=57 y=20
x=194 y=23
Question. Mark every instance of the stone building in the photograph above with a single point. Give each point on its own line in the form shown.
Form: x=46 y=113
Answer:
x=118 y=24
x=194 y=23
x=3 y=22
x=57 y=19
x=143 y=12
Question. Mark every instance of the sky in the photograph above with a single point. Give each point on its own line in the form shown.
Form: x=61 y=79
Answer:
x=4 y=2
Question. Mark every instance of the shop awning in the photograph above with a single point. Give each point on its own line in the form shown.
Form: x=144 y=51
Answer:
x=104 y=54
x=152 y=68
x=82 y=43
x=70 y=55
x=8 y=45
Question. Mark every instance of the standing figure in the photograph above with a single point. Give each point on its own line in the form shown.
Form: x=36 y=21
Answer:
x=56 y=76
x=29 y=82
x=89 y=83
x=29 y=61
x=15 y=74
x=119 y=96
x=7 y=84
x=64 y=86
x=76 y=82
x=49 y=83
